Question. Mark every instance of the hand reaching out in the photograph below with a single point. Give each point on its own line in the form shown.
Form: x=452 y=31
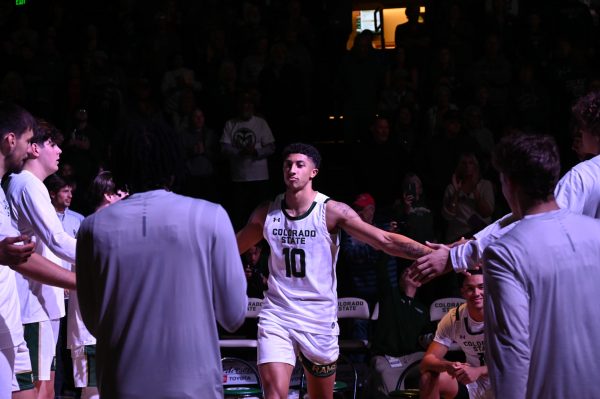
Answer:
x=432 y=265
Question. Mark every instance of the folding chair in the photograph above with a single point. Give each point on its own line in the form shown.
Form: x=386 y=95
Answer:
x=441 y=306
x=240 y=379
x=353 y=308
x=438 y=310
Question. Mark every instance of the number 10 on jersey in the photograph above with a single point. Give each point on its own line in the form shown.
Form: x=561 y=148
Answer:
x=295 y=263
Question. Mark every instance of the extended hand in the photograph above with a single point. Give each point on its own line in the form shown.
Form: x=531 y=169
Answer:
x=12 y=254
x=432 y=265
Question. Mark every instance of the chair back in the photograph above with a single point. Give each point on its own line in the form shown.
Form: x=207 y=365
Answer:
x=353 y=308
x=441 y=306
x=254 y=307
x=240 y=379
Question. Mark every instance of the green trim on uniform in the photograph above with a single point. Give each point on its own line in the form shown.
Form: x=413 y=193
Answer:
x=25 y=381
x=318 y=370
x=90 y=356
x=240 y=392
x=31 y=333
x=305 y=214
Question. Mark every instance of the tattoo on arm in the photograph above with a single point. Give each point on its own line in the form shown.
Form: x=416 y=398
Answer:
x=344 y=210
x=413 y=250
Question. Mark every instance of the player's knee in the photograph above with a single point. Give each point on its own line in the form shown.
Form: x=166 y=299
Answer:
x=318 y=370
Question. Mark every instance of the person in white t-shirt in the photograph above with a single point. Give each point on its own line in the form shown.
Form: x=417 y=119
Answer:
x=16 y=132
x=299 y=314
x=463 y=325
x=42 y=305
x=248 y=142
x=61 y=194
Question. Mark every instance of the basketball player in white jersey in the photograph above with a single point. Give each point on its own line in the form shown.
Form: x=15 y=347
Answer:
x=299 y=315
x=463 y=325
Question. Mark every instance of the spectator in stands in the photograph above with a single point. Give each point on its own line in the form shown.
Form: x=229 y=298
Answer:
x=202 y=153
x=283 y=95
x=413 y=34
x=405 y=131
x=401 y=323
x=476 y=130
x=360 y=81
x=360 y=260
x=435 y=113
x=494 y=70
x=247 y=142
x=414 y=218
x=468 y=200
x=256 y=270
x=375 y=156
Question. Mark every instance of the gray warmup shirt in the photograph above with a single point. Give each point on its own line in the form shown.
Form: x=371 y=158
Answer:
x=541 y=314
x=154 y=272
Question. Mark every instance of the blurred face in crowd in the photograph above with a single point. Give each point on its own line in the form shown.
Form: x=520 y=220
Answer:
x=198 y=118
x=467 y=166
x=252 y=256
x=381 y=131
x=62 y=198
x=367 y=213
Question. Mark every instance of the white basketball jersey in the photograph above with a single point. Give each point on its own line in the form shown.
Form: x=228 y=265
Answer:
x=457 y=326
x=302 y=293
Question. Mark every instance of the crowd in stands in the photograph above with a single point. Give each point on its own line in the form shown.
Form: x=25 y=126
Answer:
x=235 y=81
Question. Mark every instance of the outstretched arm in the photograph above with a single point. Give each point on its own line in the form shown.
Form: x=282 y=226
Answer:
x=342 y=216
x=252 y=232
x=460 y=256
x=41 y=269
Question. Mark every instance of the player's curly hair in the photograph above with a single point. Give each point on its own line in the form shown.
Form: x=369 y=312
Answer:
x=305 y=149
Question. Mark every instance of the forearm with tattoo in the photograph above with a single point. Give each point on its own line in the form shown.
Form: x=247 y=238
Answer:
x=411 y=249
